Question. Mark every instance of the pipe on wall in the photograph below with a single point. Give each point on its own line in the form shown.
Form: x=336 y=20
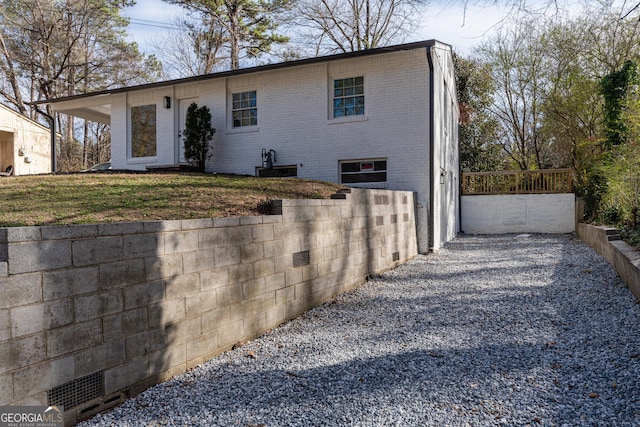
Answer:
x=53 y=137
x=430 y=213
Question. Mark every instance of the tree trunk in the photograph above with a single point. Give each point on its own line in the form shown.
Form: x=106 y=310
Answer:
x=234 y=33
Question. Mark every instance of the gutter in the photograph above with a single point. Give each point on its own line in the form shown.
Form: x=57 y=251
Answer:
x=52 y=130
x=430 y=213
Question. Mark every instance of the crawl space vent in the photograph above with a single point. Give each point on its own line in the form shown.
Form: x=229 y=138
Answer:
x=301 y=259
x=396 y=256
x=77 y=392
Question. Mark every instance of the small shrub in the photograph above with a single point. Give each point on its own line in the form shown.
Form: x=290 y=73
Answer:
x=264 y=207
x=631 y=236
x=612 y=214
x=198 y=134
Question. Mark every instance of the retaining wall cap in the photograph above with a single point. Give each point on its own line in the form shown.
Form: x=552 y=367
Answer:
x=23 y=234
x=53 y=232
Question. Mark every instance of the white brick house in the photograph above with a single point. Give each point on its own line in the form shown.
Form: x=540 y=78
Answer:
x=382 y=118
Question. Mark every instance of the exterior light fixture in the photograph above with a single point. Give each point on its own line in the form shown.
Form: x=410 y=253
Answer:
x=167 y=102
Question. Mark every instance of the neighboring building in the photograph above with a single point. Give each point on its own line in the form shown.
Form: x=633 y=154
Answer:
x=25 y=146
x=379 y=118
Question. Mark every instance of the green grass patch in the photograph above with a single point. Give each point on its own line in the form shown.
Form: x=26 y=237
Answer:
x=114 y=197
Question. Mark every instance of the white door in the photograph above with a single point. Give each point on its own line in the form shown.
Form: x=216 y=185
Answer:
x=183 y=105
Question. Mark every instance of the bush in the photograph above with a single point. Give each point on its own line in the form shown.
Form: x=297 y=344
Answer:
x=631 y=236
x=612 y=214
x=592 y=192
x=198 y=134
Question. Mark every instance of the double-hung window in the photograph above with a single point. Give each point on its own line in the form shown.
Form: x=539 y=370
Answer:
x=244 y=109
x=348 y=97
x=143 y=131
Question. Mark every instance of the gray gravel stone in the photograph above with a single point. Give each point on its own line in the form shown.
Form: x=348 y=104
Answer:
x=491 y=330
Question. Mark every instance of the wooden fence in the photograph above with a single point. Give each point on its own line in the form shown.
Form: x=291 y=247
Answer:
x=518 y=182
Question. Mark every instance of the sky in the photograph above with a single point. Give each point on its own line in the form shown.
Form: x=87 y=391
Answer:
x=451 y=24
x=444 y=23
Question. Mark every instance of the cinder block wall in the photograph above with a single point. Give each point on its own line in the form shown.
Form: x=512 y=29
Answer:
x=111 y=309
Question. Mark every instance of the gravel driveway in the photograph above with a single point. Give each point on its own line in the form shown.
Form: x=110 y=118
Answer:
x=501 y=330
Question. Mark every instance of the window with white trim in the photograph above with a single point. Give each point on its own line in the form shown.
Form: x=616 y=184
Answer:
x=363 y=171
x=244 y=109
x=348 y=97
x=143 y=131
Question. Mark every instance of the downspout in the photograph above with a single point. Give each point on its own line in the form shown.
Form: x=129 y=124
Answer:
x=430 y=213
x=460 y=230
x=53 y=137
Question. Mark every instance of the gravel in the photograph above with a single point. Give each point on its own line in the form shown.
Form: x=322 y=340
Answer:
x=491 y=330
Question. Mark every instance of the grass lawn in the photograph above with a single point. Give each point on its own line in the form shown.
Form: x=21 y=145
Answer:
x=112 y=197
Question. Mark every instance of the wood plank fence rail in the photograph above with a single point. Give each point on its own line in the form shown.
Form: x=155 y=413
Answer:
x=542 y=181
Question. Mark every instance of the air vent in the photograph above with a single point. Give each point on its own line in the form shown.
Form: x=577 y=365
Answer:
x=300 y=259
x=77 y=392
x=396 y=256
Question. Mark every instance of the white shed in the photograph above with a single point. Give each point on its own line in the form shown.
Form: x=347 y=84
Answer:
x=25 y=146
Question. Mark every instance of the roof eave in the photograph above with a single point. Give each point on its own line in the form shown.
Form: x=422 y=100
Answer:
x=250 y=70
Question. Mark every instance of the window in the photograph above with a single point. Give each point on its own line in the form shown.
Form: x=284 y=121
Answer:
x=363 y=171
x=348 y=97
x=244 y=109
x=278 y=171
x=143 y=131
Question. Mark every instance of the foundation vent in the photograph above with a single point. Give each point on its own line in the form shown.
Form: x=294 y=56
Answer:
x=300 y=259
x=77 y=392
x=396 y=256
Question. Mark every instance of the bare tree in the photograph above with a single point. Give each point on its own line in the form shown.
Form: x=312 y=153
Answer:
x=347 y=26
x=516 y=58
x=53 y=49
x=190 y=48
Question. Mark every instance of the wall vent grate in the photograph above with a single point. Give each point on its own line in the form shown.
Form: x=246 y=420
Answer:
x=300 y=259
x=77 y=392
x=396 y=256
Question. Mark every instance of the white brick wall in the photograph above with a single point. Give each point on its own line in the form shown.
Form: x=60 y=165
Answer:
x=295 y=120
x=294 y=110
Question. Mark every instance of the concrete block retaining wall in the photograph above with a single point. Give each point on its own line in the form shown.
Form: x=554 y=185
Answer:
x=123 y=306
x=518 y=213
x=625 y=259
